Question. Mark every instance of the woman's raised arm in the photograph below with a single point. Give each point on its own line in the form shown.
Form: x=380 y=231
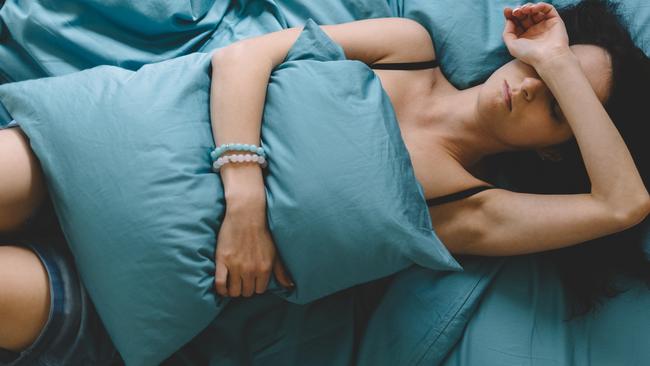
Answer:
x=499 y=222
x=241 y=71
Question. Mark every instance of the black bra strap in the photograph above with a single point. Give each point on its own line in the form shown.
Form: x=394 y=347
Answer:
x=406 y=65
x=457 y=196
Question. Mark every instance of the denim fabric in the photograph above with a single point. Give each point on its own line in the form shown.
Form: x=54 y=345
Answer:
x=73 y=334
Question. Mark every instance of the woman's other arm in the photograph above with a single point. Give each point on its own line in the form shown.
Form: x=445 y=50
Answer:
x=499 y=222
x=241 y=71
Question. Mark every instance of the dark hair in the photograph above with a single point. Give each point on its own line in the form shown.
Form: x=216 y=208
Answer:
x=589 y=270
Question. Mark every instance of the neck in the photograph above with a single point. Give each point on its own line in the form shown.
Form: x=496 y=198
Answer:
x=453 y=122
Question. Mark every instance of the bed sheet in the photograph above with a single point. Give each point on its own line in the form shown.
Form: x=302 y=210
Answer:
x=522 y=321
x=467 y=34
x=53 y=37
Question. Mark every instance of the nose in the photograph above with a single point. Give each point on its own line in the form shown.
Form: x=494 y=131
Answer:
x=531 y=87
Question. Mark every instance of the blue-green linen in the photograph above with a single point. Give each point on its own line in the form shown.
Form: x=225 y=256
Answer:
x=126 y=159
x=517 y=317
x=467 y=34
x=510 y=319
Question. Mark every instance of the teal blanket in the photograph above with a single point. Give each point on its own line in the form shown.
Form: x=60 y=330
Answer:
x=496 y=312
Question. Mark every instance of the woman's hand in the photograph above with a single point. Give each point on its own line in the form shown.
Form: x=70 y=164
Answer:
x=245 y=252
x=535 y=33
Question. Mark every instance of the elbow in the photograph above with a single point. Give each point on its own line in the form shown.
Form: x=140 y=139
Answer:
x=240 y=56
x=633 y=213
x=229 y=54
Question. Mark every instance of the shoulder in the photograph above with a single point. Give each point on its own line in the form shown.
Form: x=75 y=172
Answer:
x=368 y=40
x=402 y=39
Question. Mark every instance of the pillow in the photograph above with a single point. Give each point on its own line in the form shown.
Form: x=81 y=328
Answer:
x=126 y=159
x=470 y=47
x=46 y=38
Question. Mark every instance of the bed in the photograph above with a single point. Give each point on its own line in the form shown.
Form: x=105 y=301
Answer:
x=497 y=311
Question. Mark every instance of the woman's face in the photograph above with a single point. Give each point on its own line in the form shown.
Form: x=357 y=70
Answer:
x=517 y=107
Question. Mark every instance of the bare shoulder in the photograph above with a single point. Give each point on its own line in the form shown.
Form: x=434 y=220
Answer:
x=396 y=39
x=368 y=40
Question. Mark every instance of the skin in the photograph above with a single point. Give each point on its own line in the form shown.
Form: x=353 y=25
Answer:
x=24 y=284
x=441 y=126
x=437 y=130
x=451 y=130
x=24 y=297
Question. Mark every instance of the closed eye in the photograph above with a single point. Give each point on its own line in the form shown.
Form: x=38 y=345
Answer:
x=556 y=112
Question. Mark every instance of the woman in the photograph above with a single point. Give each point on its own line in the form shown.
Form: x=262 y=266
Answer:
x=515 y=109
x=550 y=93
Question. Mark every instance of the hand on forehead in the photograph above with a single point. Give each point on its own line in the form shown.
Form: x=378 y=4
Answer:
x=596 y=64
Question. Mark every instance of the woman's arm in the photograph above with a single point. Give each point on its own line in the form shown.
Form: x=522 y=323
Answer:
x=240 y=76
x=499 y=222
x=241 y=72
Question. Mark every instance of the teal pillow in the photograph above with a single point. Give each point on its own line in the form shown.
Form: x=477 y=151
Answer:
x=467 y=34
x=126 y=159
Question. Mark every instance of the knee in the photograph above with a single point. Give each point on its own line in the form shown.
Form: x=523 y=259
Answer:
x=21 y=181
x=24 y=297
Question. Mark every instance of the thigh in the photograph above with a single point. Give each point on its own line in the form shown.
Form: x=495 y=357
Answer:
x=24 y=299
x=21 y=181
x=73 y=333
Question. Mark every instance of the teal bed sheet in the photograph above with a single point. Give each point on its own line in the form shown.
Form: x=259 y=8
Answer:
x=522 y=321
x=49 y=38
x=496 y=312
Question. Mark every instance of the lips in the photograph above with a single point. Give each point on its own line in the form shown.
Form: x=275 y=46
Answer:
x=507 y=96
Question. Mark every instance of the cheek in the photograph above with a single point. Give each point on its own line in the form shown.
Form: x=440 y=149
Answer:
x=525 y=130
x=490 y=103
x=535 y=131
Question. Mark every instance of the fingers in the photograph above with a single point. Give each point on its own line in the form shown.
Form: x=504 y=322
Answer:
x=523 y=14
x=513 y=24
x=248 y=283
x=545 y=8
x=245 y=284
x=262 y=282
x=281 y=274
x=221 y=278
x=538 y=17
x=527 y=15
x=234 y=283
x=512 y=28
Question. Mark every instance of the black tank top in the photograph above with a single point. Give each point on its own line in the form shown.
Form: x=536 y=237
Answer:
x=406 y=65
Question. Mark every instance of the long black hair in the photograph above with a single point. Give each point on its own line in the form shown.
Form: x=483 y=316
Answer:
x=589 y=270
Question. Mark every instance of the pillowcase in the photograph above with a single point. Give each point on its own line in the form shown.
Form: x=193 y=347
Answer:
x=126 y=159
x=470 y=47
x=42 y=38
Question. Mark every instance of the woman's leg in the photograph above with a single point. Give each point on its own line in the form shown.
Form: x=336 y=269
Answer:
x=24 y=284
x=21 y=181
x=24 y=297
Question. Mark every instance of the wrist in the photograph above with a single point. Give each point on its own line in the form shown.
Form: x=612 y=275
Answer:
x=245 y=199
x=237 y=176
x=243 y=187
x=557 y=61
x=248 y=211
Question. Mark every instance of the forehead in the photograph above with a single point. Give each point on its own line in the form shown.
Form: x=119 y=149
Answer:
x=597 y=67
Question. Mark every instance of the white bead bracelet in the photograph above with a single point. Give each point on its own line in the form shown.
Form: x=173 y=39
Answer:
x=239 y=158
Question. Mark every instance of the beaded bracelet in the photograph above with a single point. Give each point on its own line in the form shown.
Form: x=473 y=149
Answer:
x=216 y=153
x=221 y=161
